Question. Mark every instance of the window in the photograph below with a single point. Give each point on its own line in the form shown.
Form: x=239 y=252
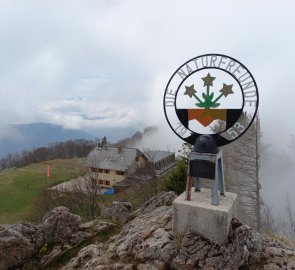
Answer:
x=104 y=182
x=94 y=170
x=106 y=171
x=100 y=170
x=120 y=173
x=137 y=159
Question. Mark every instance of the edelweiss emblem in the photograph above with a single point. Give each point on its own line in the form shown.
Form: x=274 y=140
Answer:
x=206 y=116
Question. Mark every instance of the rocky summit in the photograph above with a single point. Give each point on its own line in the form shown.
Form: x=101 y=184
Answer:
x=146 y=242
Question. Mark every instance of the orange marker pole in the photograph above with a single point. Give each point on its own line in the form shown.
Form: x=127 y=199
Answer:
x=48 y=171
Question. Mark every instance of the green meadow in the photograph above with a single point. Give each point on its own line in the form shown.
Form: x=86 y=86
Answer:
x=21 y=186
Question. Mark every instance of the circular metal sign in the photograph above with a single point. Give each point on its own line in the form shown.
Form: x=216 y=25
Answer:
x=211 y=94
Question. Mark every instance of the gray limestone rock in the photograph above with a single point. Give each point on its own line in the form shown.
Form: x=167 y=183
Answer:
x=163 y=198
x=22 y=240
x=59 y=224
x=86 y=257
x=197 y=252
x=147 y=243
x=119 y=211
x=95 y=227
x=144 y=243
x=14 y=247
x=52 y=256
x=145 y=238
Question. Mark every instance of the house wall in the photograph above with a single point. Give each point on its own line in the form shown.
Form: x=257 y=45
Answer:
x=112 y=177
x=137 y=164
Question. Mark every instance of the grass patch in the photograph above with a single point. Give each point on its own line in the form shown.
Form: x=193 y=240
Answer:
x=178 y=240
x=282 y=238
x=20 y=187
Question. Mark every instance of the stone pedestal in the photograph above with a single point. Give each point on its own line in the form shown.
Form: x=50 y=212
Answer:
x=200 y=216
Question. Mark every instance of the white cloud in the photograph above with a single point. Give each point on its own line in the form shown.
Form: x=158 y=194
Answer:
x=122 y=53
x=82 y=113
x=84 y=64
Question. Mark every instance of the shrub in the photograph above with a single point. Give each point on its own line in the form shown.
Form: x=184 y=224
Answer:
x=176 y=180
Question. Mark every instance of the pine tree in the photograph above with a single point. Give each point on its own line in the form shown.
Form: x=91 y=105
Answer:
x=104 y=141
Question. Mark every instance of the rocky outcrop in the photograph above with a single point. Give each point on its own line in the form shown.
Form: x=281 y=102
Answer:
x=147 y=243
x=144 y=243
x=22 y=240
x=277 y=255
x=59 y=227
x=85 y=231
x=119 y=211
x=88 y=258
x=93 y=227
x=163 y=198
x=197 y=252
x=14 y=246
x=146 y=238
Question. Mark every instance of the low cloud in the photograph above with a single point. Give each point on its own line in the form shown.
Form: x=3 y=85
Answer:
x=80 y=114
x=107 y=63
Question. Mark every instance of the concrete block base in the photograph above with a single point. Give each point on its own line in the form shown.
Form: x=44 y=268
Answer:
x=198 y=215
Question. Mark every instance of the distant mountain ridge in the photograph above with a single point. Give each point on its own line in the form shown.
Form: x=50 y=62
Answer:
x=16 y=138
x=28 y=136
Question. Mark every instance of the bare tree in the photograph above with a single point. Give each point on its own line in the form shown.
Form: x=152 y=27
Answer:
x=289 y=218
x=147 y=176
x=186 y=148
x=91 y=185
x=81 y=197
x=269 y=221
x=88 y=188
x=68 y=149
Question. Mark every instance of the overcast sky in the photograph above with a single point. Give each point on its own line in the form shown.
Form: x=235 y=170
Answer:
x=107 y=63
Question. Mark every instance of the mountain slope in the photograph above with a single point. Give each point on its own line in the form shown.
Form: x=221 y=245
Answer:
x=20 y=187
x=28 y=136
x=15 y=138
